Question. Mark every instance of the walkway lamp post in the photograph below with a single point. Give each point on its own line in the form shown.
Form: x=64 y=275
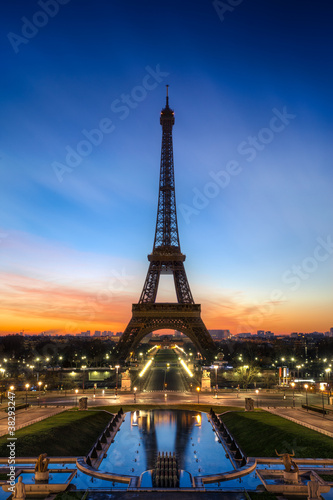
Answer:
x=135 y=389
x=298 y=367
x=83 y=367
x=117 y=368
x=257 y=393
x=26 y=395
x=39 y=384
x=245 y=377
x=11 y=388
x=216 y=386
x=76 y=391
x=322 y=388
x=306 y=395
x=198 y=391
x=328 y=371
x=293 y=386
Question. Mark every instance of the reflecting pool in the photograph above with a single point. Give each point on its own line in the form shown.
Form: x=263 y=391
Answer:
x=145 y=433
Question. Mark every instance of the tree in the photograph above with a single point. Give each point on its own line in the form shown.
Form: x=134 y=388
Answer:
x=246 y=374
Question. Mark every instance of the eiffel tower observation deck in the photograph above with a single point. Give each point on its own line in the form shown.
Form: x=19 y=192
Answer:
x=166 y=258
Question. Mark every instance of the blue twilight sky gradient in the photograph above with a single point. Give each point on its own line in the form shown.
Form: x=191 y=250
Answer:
x=73 y=253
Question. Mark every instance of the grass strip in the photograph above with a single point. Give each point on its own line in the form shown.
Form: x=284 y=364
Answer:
x=259 y=434
x=69 y=433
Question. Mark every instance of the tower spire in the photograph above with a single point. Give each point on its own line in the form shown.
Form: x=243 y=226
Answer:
x=167 y=96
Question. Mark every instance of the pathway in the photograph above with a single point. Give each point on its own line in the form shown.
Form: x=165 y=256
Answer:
x=309 y=419
x=26 y=417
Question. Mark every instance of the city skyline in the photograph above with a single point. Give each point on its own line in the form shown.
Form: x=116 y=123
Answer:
x=80 y=154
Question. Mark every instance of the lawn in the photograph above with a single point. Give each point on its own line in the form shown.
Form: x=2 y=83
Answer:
x=260 y=433
x=69 y=433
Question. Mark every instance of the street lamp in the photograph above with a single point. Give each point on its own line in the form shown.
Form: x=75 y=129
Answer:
x=76 y=391
x=245 y=379
x=306 y=394
x=328 y=370
x=135 y=389
x=293 y=386
x=117 y=368
x=322 y=388
x=216 y=386
x=257 y=393
x=298 y=367
x=198 y=390
x=26 y=395
x=39 y=384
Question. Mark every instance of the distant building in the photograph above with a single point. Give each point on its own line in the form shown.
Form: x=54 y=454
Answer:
x=220 y=334
x=97 y=333
x=84 y=334
x=246 y=335
x=107 y=333
x=315 y=334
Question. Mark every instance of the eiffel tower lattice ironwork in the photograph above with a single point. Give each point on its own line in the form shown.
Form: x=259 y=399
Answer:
x=166 y=258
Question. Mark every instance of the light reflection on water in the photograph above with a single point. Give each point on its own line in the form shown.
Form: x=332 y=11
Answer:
x=143 y=434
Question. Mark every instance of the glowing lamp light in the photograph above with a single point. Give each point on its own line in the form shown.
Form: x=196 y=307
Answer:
x=145 y=368
x=186 y=368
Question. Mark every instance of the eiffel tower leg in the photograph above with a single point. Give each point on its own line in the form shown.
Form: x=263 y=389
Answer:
x=183 y=291
x=150 y=287
x=129 y=340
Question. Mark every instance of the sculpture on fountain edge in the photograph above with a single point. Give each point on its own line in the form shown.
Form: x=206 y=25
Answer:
x=289 y=464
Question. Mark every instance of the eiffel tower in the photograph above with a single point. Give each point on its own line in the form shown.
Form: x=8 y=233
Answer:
x=166 y=258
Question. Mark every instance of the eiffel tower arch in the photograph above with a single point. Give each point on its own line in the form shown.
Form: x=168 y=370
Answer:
x=166 y=258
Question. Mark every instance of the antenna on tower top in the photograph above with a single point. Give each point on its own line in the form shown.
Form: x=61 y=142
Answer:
x=167 y=95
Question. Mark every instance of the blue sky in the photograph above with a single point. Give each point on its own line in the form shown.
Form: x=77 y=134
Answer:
x=67 y=244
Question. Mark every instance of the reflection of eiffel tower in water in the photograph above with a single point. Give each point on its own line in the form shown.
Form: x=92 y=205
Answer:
x=181 y=425
x=166 y=258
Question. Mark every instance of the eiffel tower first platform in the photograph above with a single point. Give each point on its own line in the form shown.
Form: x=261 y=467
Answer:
x=166 y=258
